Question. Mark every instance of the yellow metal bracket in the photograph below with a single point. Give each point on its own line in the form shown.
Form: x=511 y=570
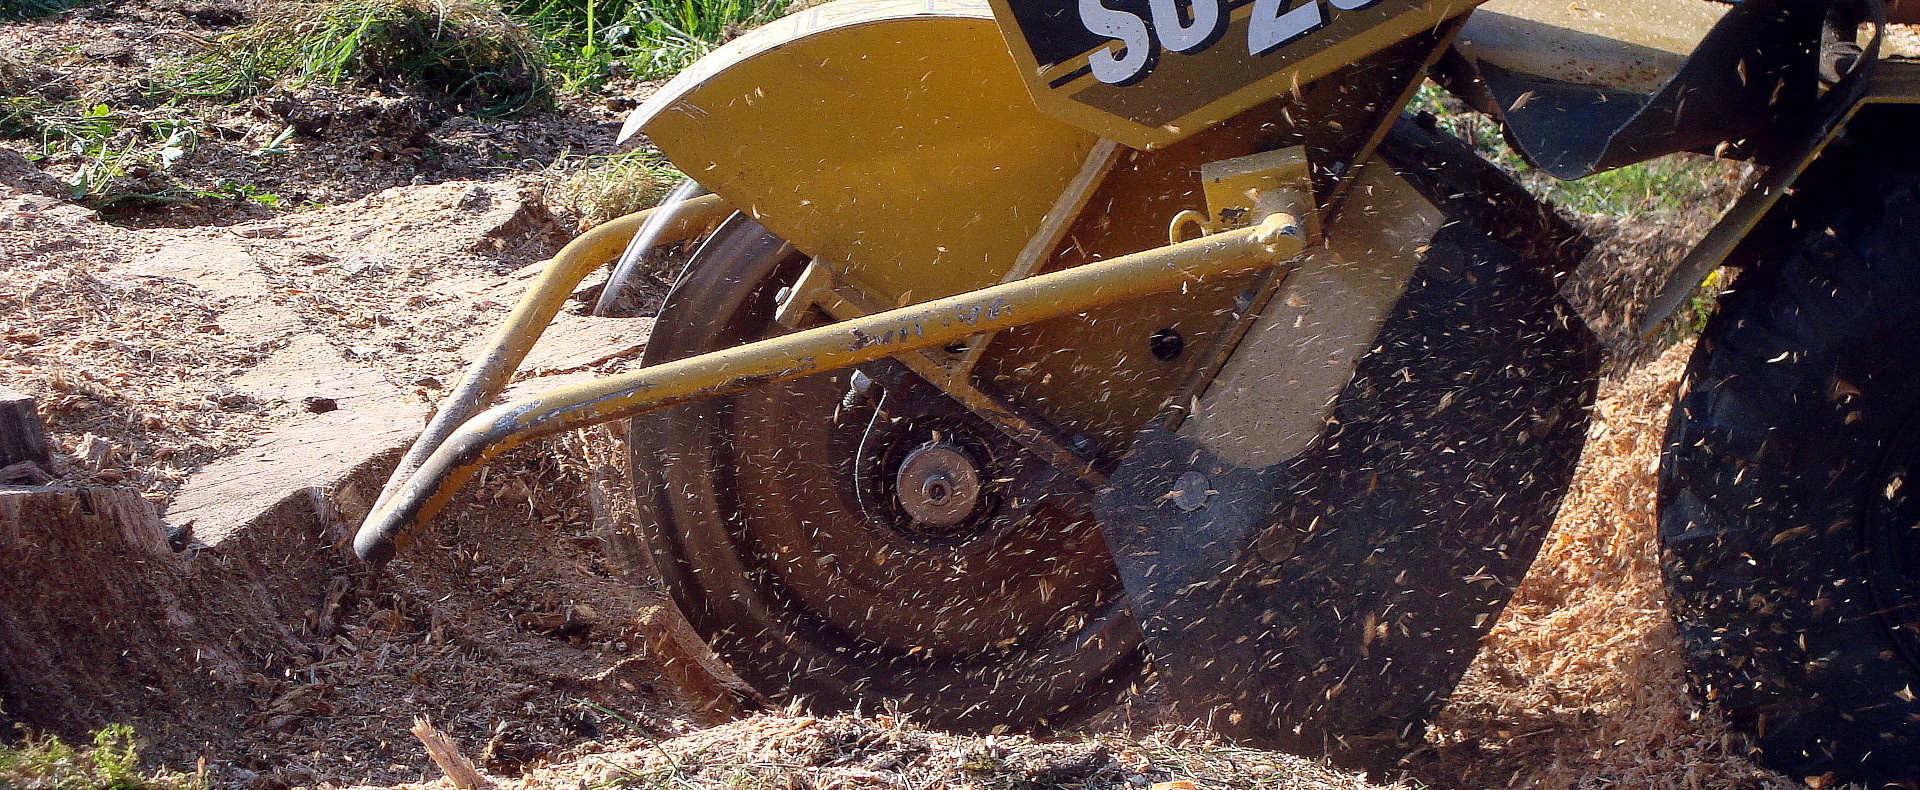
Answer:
x=1242 y=190
x=844 y=300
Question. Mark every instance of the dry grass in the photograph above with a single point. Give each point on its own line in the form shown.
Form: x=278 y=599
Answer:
x=602 y=188
x=777 y=752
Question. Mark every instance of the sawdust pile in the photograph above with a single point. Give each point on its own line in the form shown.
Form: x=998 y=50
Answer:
x=882 y=753
x=127 y=359
x=144 y=338
x=1581 y=684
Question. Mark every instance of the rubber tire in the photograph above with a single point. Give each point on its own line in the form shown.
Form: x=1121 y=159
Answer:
x=1796 y=391
x=687 y=486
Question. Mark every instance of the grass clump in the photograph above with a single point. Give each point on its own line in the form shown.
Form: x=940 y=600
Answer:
x=105 y=158
x=466 y=51
x=22 y=10
x=110 y=762
x=590 y=40
x=1663 y=186
x=88 y=141
x=1658 y=188
x=606 y=187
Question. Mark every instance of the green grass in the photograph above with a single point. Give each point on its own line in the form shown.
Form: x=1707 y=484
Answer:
x=495 y=60
x=1671 y=198
x=467 y=51
x=110 y=762
x=1658 y=186
x=1653 y=188
x=591 y=40
x=21 y=10
x=90 y=136
x=98 y=148
x=473 y=54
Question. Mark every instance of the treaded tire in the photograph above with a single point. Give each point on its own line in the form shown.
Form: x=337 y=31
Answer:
x=740 y=497
x=1786 y=551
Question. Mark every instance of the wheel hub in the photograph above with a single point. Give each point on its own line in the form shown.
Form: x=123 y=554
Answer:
x=938 y=485
x=925 y=473
x=792 y=552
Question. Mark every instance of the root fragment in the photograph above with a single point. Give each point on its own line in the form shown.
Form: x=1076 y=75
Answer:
x=446 y=754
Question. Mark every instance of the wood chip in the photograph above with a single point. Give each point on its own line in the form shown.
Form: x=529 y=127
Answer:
x=95 y=452
x=446 y=754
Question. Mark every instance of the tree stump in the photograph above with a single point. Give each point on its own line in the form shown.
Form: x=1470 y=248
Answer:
x=23 y=437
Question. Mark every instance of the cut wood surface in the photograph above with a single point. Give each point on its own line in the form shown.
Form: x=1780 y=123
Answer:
x=363 y=418
x=221 y=268
x=310 y=367
x=312 y=451
x=576 y=342
x=23 y=437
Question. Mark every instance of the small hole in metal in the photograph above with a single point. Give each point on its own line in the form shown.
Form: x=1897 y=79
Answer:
x=1166 y=344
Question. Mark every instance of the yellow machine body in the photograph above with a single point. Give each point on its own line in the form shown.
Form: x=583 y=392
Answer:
x=929 y=184
x=944 y=178
x=1200 y=312
x=1178 y=90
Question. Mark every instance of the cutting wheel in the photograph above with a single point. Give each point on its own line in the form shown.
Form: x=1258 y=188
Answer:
x=858 y=537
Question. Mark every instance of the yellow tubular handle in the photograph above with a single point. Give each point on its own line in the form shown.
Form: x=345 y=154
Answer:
x=490 y=374
x=824 y=348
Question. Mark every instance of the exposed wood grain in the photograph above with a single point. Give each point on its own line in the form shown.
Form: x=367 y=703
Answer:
x=575 y=342
x=311 y=453
x=446 y=754
x=23 y=437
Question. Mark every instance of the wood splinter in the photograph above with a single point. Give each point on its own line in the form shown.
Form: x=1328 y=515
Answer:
x=446 y=754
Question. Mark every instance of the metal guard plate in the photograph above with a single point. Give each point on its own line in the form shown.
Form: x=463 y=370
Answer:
x=1151 y=72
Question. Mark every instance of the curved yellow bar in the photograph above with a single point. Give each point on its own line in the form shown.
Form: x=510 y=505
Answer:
x=824 y=348
x=488 y=376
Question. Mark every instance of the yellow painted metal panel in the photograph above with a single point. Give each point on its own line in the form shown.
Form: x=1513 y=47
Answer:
x=1632 y=45
x=1178 y=94
x=926 y=183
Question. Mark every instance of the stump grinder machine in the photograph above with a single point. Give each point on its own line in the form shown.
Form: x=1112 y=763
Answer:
x=1030 y=346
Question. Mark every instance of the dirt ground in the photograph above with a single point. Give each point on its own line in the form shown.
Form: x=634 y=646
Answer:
x=304 y=146
x=170 y=340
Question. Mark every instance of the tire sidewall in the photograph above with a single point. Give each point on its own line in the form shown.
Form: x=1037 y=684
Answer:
x=1772 y=461
x=688 y=492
